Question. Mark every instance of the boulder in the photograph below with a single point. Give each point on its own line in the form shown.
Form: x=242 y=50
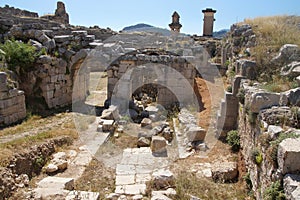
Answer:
x=143 y=142
x=112 y=113
x=224 y=172
x=291 y=185
x=298 y=80
x=287 y=54
x=158 y=144
x=293 y=96
x=291 y=70
x=274 y=131
x=51 y=168
x=163 y=179
x=146 y=123
x=152 y=110
x=261 y=100
x=195 y=133
x=288 y=156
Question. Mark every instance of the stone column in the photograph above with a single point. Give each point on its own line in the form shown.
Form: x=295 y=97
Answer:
x=209 y=19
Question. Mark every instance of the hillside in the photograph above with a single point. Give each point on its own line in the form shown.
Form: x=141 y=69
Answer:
x=142 y=27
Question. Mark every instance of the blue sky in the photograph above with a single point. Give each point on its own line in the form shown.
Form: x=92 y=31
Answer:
x=117 y=14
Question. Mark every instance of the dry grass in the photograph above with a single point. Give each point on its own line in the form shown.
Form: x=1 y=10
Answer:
x=39 y=127
x=188 y=184
x=19 y=145
x=97 y=178
x=271 y=34
x=32 y=122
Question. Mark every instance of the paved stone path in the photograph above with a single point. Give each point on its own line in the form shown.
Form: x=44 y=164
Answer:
x=49 y=187
x=135 y=169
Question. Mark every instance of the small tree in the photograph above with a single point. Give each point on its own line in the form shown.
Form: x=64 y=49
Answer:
x=274 y=192
x=233 y=139
x=18 y=55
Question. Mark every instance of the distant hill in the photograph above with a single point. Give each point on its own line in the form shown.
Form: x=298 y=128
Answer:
x=220 y=34
x=147 y=28
x=163 y=31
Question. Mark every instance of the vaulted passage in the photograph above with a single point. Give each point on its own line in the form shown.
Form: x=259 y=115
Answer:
x=167 y=77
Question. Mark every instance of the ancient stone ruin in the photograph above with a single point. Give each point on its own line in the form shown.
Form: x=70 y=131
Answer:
x=163 y=109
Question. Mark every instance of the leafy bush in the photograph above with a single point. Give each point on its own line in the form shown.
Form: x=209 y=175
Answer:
x=257 y=156
x=274 y=192
x=229 y=88
x=19 y=54
x=248 y=181
x=241 y=95
x=233 y=139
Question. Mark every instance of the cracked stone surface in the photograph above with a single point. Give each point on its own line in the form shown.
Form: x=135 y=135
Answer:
x=135 y=169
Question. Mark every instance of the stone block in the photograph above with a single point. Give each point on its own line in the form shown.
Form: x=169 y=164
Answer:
x=195 y=133
x=57 y=182
x=158 y=144
x=288 y=156
x=107 y=125
x=112 y=113
x=146 y=123
x=291 y=185
x=163 y=179
x=63 y=38
x=224 y=172
x=143 y=142
x=83 y=195
x=261 y=100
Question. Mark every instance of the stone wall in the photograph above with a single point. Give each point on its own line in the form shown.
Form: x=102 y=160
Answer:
x=60 y=15
x=17 y=12
x=57 y=82
x=174 y=76
x=12 y=102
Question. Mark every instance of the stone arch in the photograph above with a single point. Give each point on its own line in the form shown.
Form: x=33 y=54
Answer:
x=175 y=74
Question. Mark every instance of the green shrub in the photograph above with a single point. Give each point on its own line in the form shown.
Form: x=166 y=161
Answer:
x=233 y=139
x=248 y=181
x=19 y=54
x=274 y=192
x=256 y=156
x=241 y=95
x=229 y=88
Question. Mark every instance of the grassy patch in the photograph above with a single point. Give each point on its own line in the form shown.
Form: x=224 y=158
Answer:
x=18 y=145
x=97 y=178
x=271 y=34
x=188 y=184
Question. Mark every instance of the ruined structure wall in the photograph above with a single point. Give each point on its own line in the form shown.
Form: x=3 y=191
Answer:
x=187 y=71
x=7 y=10
x=12 y=103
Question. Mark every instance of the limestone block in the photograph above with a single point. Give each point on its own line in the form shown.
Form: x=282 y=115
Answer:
x=158 y=144
x=291 y=183
x=79 y=33
x=112 y=113
x=63 y=38
x=57 y=183
x=82 y=195
x=143 y=142
x=246 y=68
x=146 y=123
x=261 y=100
x=107 y=125
x=51 y=168
x=224 y=172
x=195 y=133
x=288 y=156
x=163 y=179
x=293 y=96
